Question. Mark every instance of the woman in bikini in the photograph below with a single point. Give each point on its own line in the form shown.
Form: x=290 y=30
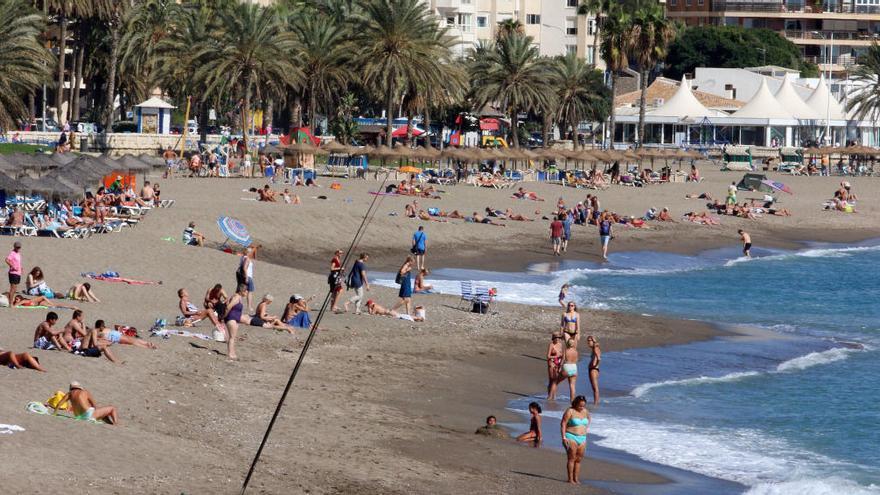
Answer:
x=575 y=425
x=215 y=299
x=570 y=323
x=117 y=337
x=595 y=359
x=30 y=302
x=554 y=364
x=20 y=360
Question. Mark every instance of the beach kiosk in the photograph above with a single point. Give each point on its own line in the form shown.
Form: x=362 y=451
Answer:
x=154 y=116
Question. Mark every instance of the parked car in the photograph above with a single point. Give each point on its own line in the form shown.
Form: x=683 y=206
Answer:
x=85 y=127
x=50 y=125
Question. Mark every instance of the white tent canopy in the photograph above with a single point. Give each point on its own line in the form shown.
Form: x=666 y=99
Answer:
x=683 y=104
x=823 y=103
x=763 y=106
x=788 y=97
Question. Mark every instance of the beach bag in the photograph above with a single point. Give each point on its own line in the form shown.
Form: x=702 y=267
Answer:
x=47 y=293
x=480 y=307
x=56 y=399
x=398 y=279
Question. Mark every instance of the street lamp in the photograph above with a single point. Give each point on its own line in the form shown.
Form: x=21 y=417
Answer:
x=828 y=61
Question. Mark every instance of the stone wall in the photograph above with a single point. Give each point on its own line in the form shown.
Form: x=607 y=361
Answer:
x=116 y=144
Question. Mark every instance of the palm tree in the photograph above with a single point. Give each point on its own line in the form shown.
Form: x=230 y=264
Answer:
x=63 y=11
x=615 y=44
x=399 y=45
x=146 y=25
x=651 y=34
x=250 y=57
x=864 y=98
x=24 y=61
x=596 y=8
x=580 y=92
x=513 y=75
x=325 y=58
x=509 y=26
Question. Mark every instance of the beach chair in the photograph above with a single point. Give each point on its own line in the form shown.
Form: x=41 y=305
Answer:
x=481 y=296
x=467 y=293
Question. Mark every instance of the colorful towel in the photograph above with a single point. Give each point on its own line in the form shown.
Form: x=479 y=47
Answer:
x=114 y=277
x=182 y=333
x=40 y=408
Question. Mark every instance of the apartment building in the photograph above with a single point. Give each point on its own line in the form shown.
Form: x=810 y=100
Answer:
x=554 y=24
x=830 y=33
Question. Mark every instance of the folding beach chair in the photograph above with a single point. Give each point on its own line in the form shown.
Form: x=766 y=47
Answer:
x=467 y=292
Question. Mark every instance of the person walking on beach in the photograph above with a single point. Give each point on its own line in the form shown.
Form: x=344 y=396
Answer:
x=731 y=193
x=334 y=280
x=554 y=364
x=13 y=261
x=606 y=230
x=245 y=274
x=404 y=278
x=570 y=323
x=575 y=426
x=593 y=369
x=357 y=281
x=556 y=231
x=419 y=246
x=747 y=242
x=534 y=433
x=568 y=219
x=569 y=366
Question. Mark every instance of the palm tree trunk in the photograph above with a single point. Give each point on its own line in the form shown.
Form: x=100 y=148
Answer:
x=513 y=128
x=427 y=125
x=545 y=131
x=642 y=101
x=267 y=115
x=574 y=134
x=312 y=106
x=596 y=43
x=203 y=121
x=62 y=47
x=80 y=61
x=295 y=110
x=245 y=113
x=110 y=96
x=389 y=108
x=409 y=129
x=611 y=118
x=32 y=107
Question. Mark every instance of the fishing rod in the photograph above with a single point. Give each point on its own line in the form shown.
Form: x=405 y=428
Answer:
x=355 y=241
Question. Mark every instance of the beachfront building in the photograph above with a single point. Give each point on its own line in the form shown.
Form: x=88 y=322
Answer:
x=556 y=27
x=843 y=28
x=737 y=106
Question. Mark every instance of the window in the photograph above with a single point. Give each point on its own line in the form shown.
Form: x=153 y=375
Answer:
x=591 y=26
x=571 y=26
x=533 y=19
x=571 y=49
x=466 y=22
x=450 y=21
x=689 y=2
x=700 y=2
x=571 y=3
x=673 y=3
x=589 y=54
x=482 y=21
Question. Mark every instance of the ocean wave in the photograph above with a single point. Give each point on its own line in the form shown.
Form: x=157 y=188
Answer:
x=824 y=486
x=746 y=456
x=700 y=380
x=816 y=359
x=841 y=252
x=799 y=363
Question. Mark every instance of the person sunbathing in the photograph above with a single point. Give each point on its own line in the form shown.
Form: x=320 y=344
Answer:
x=30 y=302
x=192 y=314
x=46 y=337
x=118 y=337
x=296 y=313
x=492 y=212
x=523 y=194
x=782 y=212
x=82 y=292
x=484 y=181
x=84 y=406
x=664 y=216
x=266 y=194
x=410 y=210
x=375 y=309
x=516 y=216
x=477 y=218
x=701 y=218
x=19 y=360
x=262 y=318
x=452 y=214
x=705 y=196
x=423 y=215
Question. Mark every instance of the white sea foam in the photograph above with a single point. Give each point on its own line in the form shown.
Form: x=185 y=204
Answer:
x=806 y=253
x=742 y=455
x=816 y=359
x=700 y=380
x=813 y=486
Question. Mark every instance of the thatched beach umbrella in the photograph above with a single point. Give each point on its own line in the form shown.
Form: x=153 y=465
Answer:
x=63 y=158
x=9 y=184
x=152 y=160
x=50 y=187
x=132 y=163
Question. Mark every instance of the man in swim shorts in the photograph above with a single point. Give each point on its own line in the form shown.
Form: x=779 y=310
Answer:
x=13 y=261
x=747 y=242
x=556 y=231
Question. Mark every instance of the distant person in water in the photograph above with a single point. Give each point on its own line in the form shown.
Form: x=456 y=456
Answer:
x=491 y=429
x=569 y=366
x=575 y=426
x=534 y=433
x=593 y=369
x=747 y=242
x=563 y=293
x=554 y=364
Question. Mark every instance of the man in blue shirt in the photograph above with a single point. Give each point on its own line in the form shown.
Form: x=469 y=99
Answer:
x=357 y=281
x=419 y=246
x=566 y=230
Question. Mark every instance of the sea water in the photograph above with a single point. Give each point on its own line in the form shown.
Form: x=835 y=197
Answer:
x=787 y=403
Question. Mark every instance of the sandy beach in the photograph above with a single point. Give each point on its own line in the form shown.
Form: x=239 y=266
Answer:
x=381 y=405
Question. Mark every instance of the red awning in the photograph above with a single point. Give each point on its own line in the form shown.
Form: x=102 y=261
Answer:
x=401 y=132
x=489 y=125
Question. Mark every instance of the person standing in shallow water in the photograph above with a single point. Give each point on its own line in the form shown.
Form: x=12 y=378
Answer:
x=554 y=364
x=569 y=366
x=605 y=233
x=747 y=242
x=575 y=426
x=419 y=247
x=593 y=369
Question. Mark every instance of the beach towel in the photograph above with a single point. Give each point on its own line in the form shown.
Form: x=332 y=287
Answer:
x=182 y=333
x=301 y=320
x=114 y=277
x=9 y=429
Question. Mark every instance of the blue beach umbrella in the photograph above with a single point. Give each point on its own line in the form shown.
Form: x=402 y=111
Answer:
x=234 y=231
